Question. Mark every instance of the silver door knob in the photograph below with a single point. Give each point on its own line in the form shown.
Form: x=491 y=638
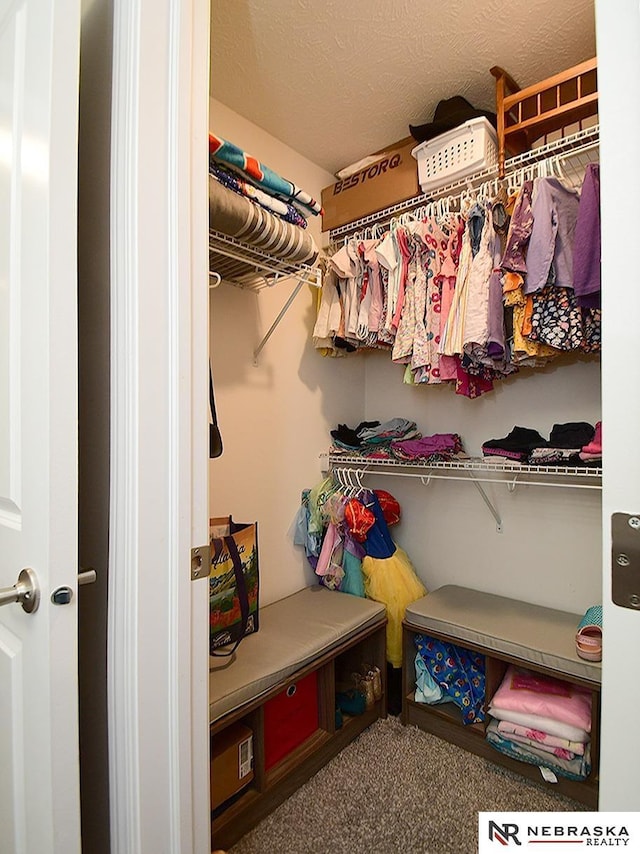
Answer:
x=26 y=591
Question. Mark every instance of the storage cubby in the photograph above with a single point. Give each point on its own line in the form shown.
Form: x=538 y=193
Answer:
x=294 y=730
x=445 y=720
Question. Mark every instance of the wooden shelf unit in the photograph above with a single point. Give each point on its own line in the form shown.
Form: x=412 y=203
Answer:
x=270 y=788
x=526 y=115
x=444 y=719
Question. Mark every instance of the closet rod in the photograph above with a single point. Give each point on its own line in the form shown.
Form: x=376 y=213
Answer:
x=349 y=477
x=512 y=482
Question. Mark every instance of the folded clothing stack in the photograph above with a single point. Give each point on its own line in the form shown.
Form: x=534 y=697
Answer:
x=591 y=453
x=262 y=177
x=575 y=443
x=542 y=721
x=516 y=446
x=373 y=438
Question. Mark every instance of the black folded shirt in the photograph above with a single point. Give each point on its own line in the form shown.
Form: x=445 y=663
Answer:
x=516 y=446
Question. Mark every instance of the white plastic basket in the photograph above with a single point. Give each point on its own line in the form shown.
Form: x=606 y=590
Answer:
x=471 y=147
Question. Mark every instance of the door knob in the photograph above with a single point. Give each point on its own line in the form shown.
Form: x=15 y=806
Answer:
x=26 y=591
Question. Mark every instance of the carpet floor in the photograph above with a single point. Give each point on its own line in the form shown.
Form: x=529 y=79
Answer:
x=397 y=789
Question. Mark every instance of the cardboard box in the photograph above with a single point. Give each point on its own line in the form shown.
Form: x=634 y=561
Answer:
x=391 y=179
x=231 y=763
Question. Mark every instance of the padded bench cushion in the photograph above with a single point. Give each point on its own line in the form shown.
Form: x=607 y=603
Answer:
x=292 y=633
x=529 y=633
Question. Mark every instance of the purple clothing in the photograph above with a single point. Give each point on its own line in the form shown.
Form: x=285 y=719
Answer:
x=520 y=228
x=413 y=449
x=555 y=211
x=586 y=247
x=495 y=340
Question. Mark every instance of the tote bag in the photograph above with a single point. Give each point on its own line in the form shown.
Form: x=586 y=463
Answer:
x=233 y=583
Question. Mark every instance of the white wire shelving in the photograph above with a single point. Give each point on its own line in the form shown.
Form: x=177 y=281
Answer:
x=252 y=269
x=570 y=154
x=350 y=471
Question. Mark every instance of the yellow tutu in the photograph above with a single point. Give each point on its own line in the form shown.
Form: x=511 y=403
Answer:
x=393 y=582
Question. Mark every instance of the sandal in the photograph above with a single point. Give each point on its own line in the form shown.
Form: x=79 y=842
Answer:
x=589 y=635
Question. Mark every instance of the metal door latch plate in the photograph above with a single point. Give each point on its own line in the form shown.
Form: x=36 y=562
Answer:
x=625 y=560
x=200 y=562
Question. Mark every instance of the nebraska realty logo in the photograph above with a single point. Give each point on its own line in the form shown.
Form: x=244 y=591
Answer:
x=593 y=830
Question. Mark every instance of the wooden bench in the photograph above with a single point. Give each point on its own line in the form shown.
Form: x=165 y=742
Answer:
x=506 y=631
x=312 y=641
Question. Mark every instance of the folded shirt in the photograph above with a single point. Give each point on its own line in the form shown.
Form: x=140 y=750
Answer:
x=538 y=738
x=554 y=456
x=573 y=434
x=441 y=445
x=524 y=691
x=540 y=722
x=517 y=445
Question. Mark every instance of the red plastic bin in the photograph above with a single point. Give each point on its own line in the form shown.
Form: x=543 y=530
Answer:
x=290 y=718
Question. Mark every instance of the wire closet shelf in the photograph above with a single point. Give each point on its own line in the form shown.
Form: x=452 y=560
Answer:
x=347 y=467
x=566 y=157
x=250 y=268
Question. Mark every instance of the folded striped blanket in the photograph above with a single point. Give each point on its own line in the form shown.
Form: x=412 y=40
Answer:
x=237 y=216
x=263 y=177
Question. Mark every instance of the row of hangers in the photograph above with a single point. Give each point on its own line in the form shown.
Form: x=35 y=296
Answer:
x=445 y=207
x=349 y=481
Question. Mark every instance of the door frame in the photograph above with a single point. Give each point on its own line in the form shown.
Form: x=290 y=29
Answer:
x=618 y=39
x=157 y=681
x=157 y=651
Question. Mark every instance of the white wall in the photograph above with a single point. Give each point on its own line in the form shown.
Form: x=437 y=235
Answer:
x=274 y=418
x=549 y=550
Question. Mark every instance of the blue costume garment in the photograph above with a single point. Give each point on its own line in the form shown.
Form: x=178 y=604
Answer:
x=459 y=672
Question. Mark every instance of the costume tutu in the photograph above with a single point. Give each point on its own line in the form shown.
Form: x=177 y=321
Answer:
x=389 y=578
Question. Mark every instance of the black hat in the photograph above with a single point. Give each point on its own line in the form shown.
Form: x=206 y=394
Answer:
x=449 y=114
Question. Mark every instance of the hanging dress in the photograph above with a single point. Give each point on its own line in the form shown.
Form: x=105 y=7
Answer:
x=389 y=578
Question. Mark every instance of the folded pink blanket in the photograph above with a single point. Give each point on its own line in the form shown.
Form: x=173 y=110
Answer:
x=527 y=735
x=530 y=693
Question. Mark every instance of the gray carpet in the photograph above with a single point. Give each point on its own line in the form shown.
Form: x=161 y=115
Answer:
x=396 y=789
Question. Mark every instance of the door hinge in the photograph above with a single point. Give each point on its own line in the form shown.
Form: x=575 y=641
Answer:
x=200 y=562
x=625 y=560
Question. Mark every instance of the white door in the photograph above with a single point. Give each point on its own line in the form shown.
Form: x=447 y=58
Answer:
x=39 y=780
x=618 y=34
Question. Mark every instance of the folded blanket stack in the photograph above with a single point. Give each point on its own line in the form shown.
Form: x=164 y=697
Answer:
x=542 y=721
x=225 y=153
x=250 y=202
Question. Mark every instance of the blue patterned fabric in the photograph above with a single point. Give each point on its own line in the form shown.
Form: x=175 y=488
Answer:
x=459 y=672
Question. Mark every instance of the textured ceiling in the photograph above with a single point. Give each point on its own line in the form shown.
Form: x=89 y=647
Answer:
x=339 y=79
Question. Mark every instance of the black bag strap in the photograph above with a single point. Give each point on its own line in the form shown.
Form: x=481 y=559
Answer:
x=241 y=585
x=215 y=439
